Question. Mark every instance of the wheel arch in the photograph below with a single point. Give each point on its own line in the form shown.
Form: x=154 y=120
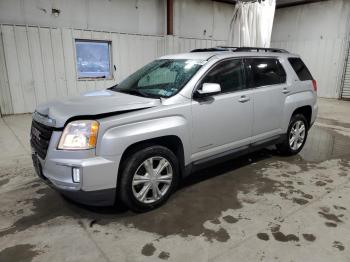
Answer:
x=306 y=111
x=172 y=142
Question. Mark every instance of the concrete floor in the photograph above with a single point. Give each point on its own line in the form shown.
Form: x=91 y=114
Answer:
x=260 y=207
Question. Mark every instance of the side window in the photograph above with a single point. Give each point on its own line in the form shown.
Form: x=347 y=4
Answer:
x=229 y=74
x=300 y=69
x=265 y=71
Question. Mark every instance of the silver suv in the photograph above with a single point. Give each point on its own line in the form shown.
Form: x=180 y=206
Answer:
x=135 y=141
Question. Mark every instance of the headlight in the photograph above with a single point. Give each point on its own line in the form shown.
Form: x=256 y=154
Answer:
x=79 y=135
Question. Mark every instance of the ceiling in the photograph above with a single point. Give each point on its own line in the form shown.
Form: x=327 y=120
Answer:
x=287 y=3
x=279 y=3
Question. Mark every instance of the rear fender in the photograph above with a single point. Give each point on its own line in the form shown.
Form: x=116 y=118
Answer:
x=293 y=102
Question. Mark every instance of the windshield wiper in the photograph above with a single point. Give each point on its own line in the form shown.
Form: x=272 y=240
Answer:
x=112 y=87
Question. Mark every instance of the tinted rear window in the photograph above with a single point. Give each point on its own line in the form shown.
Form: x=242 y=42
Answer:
x=265 y=72
x=300 y=69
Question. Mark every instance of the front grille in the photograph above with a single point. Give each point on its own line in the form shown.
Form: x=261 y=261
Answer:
x=40 y=136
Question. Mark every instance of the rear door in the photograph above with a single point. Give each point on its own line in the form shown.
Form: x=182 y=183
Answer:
x=223 y=121
x=268 y=80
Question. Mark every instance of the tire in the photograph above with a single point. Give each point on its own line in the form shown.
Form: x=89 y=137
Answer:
x=288 y=148
x=135 y=177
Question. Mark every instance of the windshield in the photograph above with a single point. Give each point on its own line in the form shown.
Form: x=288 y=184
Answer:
x=160 y=78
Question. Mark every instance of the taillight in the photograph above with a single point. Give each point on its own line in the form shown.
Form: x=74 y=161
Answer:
x=314 y=85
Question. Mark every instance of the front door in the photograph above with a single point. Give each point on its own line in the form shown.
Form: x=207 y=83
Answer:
x=222 y=122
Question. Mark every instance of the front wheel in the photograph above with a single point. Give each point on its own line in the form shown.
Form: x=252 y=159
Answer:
x=148 y=178
x=296 y=136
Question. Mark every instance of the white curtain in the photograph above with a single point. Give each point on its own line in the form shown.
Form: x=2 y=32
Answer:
x=251 y=24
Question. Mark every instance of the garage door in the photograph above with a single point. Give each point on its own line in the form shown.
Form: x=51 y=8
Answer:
x=346 y=83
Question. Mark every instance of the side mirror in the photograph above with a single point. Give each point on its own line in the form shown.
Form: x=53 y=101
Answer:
x=208 y=89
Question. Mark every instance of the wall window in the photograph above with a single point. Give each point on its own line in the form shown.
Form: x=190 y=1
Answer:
x=93 y=59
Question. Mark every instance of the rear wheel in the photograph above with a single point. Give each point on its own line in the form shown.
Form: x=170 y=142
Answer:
x=296 y=136
x=148 y=178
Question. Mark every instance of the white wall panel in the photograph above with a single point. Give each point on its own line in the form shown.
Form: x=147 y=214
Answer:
x=5 y=95
x=48 y=63
x=182 y=45
x=188 y=44
x=140 y=17
x=39 y=64
x=58 y=62
x=25 y=68
x=12 y=64
x=325 y=60
x=321 y=40
x=69 y=61
x=202 y=18
x=193 y=18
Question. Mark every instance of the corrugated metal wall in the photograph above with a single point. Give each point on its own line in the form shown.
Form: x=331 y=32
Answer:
x=325 y=59
x=38 y=64
x=319 y=32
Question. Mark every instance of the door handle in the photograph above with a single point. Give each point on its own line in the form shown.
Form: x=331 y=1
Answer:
x=285 y=91
x=243 y=99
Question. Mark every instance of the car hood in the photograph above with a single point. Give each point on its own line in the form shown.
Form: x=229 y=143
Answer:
x=93 y=104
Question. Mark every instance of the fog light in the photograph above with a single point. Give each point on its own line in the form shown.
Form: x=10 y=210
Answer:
x=76 y=174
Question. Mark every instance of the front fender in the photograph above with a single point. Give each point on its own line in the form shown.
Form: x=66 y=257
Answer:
x=117 y=139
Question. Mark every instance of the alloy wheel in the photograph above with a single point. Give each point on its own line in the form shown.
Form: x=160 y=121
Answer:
x=152 y=179
x=297 y=135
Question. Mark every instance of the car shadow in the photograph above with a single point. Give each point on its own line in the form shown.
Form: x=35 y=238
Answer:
x=231 y=176
x=227 y=166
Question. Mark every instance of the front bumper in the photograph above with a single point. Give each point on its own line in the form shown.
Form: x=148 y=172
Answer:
x=97 y=186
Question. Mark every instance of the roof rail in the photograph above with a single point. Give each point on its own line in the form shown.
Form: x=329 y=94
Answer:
x=212 y=49
x=254 y=49
x=239 y=49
